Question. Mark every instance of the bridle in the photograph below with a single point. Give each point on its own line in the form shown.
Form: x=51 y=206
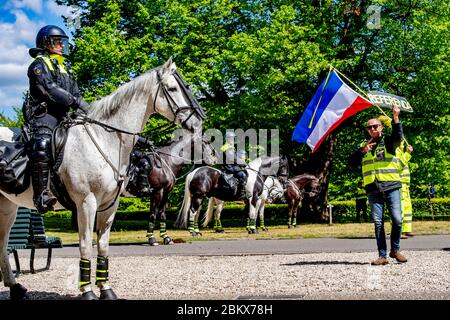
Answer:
x=174 y=107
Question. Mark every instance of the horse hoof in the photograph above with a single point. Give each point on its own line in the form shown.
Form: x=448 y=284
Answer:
x=167 y=240
x=254 y=231
x=107 y=294
x=265 y=229
x=152 y=241
x=18 y=292
x=220 y=231
x=89 y=295
x=289 y=226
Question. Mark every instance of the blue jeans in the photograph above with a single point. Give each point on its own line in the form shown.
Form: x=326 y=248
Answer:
x=393 y=203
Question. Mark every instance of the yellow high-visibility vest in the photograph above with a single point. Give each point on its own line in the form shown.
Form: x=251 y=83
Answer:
x=405 y=176
x=59 y=59
x=383 y=168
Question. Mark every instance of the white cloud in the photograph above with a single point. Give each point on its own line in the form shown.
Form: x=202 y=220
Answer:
x=15 y=40
x=34 y=5
x=56 y=9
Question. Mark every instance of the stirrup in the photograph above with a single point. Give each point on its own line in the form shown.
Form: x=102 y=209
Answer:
x=45 y=203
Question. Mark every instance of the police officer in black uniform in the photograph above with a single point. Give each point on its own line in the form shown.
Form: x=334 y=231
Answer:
x=53 y=92
x=237 y=165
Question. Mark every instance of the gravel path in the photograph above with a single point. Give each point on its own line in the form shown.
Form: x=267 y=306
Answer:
x=277 y=276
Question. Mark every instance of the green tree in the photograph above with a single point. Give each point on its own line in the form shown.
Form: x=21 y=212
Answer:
x=257 y=63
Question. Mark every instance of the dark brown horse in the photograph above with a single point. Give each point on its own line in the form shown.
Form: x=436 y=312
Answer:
x=206 y=182
x=295 y=190
x=167 y=162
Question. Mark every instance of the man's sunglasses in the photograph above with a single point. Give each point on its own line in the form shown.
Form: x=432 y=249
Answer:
x=374 y=126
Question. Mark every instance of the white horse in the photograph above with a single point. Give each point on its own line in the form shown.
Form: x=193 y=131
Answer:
x=273 y=190
x=95 y=165
x=205 y=182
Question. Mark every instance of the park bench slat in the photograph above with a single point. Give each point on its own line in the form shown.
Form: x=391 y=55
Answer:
x=28 y=232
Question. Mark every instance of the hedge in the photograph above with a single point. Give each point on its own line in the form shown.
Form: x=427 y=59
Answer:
x=134 y=213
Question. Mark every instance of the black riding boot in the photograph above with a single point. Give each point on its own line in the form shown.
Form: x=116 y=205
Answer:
x=40 y=169
x=142 y=178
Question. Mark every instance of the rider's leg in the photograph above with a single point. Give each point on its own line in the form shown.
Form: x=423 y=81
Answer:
x=144 y=167
x=40 y=169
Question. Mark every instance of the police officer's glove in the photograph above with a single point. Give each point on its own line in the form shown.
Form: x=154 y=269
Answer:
x=144 y=143
x=83 y=107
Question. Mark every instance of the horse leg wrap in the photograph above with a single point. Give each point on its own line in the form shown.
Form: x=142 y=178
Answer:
x=248 y=224
x=85 y=272
x=101 y=275
x=151 y=228
x=294 y=222
x=252 y=224
x=217 y=224
x=162 y=229
x=196 y=229
x=261 y=223
x=191 y=225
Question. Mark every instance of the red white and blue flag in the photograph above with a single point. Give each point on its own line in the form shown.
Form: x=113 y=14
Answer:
x=332 y=103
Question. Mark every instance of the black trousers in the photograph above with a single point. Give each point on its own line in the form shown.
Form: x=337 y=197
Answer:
x=361 y=206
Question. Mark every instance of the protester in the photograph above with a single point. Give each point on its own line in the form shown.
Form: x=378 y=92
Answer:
x=380 y=170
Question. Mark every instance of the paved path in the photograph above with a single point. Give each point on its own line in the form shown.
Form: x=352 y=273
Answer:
x=258 y=247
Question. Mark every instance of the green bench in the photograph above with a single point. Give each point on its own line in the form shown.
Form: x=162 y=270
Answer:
x=28 y=232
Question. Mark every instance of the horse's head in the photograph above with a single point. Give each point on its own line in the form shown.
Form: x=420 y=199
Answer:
x=275 y=189
x=283 y=170
x=312 y=186
x=174 y=99
x=209 y=152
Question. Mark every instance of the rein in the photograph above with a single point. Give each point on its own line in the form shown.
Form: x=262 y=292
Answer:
x=82 y=120
x=193 y=104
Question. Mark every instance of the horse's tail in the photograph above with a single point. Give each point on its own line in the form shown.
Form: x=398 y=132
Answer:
x=209 y=212
x=183 y=214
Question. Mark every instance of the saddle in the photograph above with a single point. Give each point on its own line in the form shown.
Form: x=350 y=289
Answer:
x=229 y=183
x=59 y=139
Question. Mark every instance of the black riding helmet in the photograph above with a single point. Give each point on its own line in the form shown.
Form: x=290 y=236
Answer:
x=49 y=36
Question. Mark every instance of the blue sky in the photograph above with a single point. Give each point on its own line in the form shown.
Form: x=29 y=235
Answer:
x=20 y=20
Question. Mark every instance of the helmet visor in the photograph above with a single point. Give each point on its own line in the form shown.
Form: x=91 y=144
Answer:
x=60 y=45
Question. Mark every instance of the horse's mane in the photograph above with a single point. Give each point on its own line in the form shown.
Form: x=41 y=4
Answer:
x=304 y=176
x=109 y=105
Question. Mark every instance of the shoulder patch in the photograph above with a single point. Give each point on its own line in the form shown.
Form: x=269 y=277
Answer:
x=38 y=69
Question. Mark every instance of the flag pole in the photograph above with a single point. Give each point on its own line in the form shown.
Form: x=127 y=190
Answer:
x=362 y=91
x=321 y=94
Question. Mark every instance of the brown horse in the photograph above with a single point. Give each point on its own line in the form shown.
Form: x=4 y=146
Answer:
x=296 y=188
x=167 y=162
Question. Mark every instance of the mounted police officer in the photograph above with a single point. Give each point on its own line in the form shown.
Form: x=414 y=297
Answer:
x=53 y=93
x=234 y=163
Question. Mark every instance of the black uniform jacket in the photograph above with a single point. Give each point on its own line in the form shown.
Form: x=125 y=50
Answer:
x=59 y=90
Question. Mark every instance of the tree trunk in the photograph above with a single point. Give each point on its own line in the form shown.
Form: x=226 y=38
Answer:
x=314 y=209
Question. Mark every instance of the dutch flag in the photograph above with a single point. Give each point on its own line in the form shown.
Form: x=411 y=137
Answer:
x=332 y=103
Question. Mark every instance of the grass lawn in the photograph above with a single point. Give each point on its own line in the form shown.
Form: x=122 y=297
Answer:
x=347 y=230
